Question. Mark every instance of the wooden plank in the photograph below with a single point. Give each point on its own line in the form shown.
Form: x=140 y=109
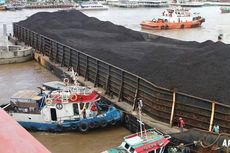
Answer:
x=173 y=108
x=212 y=116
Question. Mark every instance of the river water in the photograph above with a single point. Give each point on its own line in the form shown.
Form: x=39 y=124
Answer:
x=215 y=23
x=30 y=75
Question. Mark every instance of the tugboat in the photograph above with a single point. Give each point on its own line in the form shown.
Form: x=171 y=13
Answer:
x=179 y=18
x=146 y=141
x=72 y=108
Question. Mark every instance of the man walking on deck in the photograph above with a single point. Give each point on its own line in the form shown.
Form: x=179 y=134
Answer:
x=216 y=128
x=181 y=124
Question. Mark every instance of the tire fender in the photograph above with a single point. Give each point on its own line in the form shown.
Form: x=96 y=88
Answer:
x=103 y=123
x=84 y=126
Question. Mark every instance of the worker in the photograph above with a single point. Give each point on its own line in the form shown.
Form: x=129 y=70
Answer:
x=216 y=128
x=84 y=112
x=220 y=37
x=94 y=109
x=181 y=124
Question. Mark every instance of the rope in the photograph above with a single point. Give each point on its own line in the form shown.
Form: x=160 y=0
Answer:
x=202 y=145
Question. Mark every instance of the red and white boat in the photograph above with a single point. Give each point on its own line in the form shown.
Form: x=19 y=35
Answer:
x=146 y=141
x=178 y=18
x=71 y=107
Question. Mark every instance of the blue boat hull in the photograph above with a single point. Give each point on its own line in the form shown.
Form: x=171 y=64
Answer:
x=111 y=117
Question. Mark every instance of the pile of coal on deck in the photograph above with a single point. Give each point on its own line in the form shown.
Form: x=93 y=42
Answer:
x=200 y=69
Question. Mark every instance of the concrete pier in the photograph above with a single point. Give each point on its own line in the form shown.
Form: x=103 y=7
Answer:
x=15 y=54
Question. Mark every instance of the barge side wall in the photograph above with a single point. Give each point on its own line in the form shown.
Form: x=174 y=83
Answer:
x=162 y=104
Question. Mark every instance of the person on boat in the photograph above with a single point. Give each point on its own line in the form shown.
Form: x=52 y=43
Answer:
x=94 y=109
x=84 y=112
x=220 y=37
x=216 y=128
x=181 y=124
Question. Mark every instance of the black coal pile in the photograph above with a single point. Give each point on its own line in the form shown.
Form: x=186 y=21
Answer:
x=200 y=69
x=207 y=138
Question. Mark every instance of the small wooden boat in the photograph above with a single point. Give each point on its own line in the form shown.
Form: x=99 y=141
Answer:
x=179 y=18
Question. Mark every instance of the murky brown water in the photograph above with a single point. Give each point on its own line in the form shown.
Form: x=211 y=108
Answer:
x=92 y=142
x=29 y=75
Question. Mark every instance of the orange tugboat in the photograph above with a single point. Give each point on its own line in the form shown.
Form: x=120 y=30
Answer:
x=179 y=18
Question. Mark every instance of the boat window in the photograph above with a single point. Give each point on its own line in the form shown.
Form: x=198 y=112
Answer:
x=86 y=105
x=23 y=109
x=131 y=150
x=53 y=114
x=81 y=106
x=153 y=151
x=158 y=150
x=75 y=109
x=126 y=145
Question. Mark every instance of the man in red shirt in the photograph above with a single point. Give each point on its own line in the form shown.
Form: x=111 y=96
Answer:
x=94 y=109
x=181 y=124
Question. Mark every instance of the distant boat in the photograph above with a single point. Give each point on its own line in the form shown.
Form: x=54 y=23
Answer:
x=179 y=18
x=15 y=6
x=91 y=5
x=188 y=4
x=124 y=3
x=153 y=3
x=225 y=9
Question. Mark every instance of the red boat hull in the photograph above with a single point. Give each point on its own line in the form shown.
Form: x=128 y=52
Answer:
x=154 y=25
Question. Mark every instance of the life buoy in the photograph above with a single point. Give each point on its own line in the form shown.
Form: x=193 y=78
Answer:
x=103 y=123
x=59 y=128
x=73 y=97
x=113 y=122
x=48 y=101
x=91 y=125
x=59 y=106
x=96 y=124
x=55 y=95
x=73 y=126
x=66 y=80
x=84 y=126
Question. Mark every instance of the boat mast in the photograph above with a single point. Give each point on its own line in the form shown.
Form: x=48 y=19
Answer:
x=73 y=76
x=140 y=105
